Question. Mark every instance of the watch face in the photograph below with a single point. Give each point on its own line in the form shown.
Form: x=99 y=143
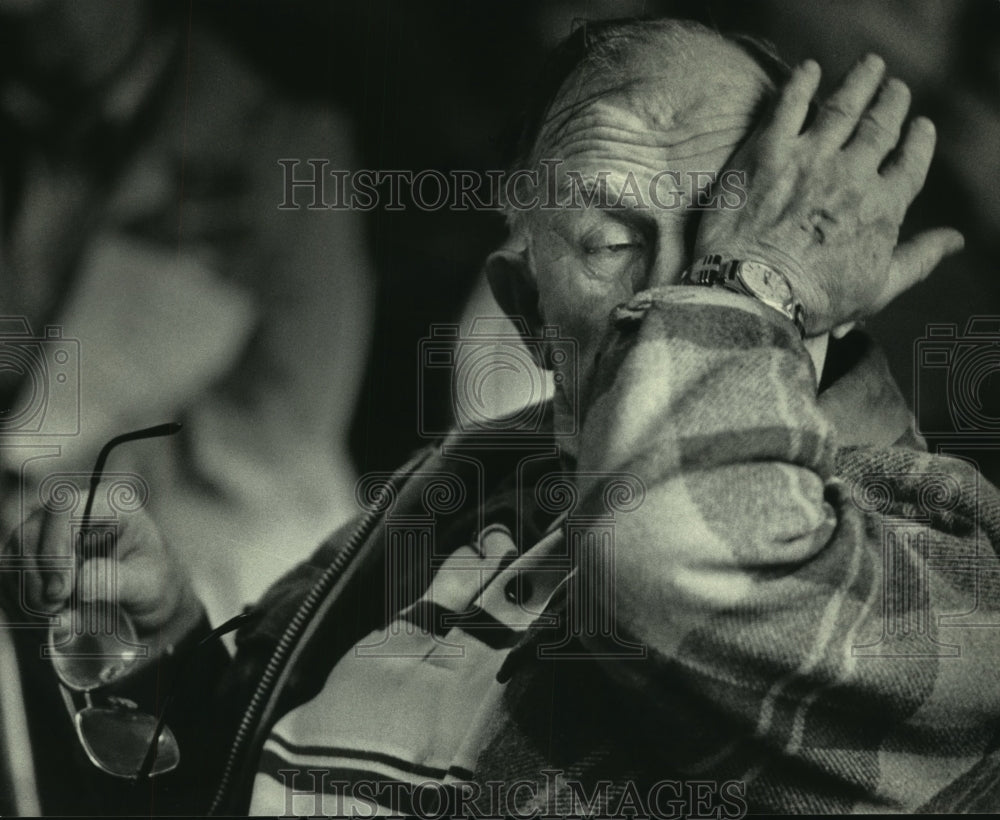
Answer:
x=764 y=282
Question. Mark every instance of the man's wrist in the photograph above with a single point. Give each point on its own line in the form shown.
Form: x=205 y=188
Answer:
x=749 y=275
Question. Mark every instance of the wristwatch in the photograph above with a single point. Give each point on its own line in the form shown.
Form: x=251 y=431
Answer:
x=750 y=278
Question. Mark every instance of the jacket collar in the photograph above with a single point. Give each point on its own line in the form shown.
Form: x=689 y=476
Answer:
x=859 y=396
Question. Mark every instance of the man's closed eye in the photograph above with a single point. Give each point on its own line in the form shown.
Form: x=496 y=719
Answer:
x=613 y=239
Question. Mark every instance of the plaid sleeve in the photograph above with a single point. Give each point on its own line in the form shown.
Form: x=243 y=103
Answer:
x=828 y=636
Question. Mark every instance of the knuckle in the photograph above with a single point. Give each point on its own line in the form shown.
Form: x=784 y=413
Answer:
x=872 y=129
x=834 y=108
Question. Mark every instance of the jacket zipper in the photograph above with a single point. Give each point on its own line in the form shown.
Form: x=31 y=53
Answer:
x=291 y=634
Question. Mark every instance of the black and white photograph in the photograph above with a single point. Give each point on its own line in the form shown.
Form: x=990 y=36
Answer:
x=554 y=409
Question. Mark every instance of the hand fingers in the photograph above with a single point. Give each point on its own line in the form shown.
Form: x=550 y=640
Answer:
x=43 y=578
x=55 y=558
x=102 y=579
x=135 y=530
x=136 y=585
x=136 y=534
x=18 y=561
x=133 y=576
x=879 y=128
x=838 y=116
x=793 y=102
x=908 y=169
x=40 y=559
x=913 y=261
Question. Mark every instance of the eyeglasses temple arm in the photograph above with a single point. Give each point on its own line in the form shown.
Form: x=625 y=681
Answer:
x=150 y=759
x=167 y=429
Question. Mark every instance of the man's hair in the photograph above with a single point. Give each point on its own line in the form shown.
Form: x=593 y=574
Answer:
x=602 y=47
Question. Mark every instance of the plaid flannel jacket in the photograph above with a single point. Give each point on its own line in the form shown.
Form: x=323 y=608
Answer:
x=817 y=596
x=820 y=600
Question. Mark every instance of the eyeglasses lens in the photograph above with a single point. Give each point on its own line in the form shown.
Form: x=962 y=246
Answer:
x=86 y=658
x=117 y=740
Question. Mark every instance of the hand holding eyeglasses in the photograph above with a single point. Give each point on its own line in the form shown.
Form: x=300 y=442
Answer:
x=153 y=588
x=125 y=595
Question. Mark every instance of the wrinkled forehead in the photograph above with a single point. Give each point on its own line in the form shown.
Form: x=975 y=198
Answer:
x=695 y=83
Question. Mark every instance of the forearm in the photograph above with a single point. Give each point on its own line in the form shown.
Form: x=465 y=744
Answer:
x=709 y=398
x=789 y=614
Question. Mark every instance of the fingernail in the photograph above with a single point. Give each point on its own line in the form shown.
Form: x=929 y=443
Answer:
x=873 y=61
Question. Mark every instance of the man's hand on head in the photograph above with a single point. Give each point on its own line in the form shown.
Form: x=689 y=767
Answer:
x=825 y=204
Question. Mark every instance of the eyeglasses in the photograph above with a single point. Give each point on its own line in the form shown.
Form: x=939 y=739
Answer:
x=125 y=742
x=98 y=644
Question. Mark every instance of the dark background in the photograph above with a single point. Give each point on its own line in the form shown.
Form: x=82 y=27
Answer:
x=438 y=84
x=434 y=84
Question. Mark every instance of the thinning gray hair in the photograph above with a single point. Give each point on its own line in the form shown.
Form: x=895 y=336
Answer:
x=603 y=48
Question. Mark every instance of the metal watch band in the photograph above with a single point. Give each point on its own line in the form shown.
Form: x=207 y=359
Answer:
x=716 y=271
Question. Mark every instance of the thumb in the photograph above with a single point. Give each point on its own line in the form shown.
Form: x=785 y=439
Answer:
x=913 y=260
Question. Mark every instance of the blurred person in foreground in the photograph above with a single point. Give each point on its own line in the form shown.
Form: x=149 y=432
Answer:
x=776 y=643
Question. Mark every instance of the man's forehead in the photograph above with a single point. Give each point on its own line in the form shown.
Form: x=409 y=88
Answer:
x=660 y=85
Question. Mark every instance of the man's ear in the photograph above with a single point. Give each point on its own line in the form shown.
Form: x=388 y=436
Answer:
x=512 y=280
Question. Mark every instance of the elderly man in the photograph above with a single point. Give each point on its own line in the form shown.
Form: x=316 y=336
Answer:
x=765 y=633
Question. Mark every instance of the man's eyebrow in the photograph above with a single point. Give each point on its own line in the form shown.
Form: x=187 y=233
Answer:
x=583 y=190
